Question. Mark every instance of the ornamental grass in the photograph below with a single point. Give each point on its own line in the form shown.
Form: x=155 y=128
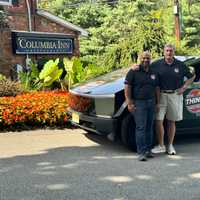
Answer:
x=34 y=109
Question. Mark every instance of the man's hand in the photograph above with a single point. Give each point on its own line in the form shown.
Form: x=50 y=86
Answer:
x=157 y=108
x=181 y=90
x=185 y=86
x=135 y=67
x=131 y=107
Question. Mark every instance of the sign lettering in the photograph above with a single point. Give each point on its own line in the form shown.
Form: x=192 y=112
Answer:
x=42 y=43
x=192 y=101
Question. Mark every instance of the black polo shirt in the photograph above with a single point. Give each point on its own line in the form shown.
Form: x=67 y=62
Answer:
x=143 y=83
x=171 y=77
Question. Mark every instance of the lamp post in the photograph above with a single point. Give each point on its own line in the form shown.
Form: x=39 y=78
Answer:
x=29 y=28
x=177 y=22
x=29 y=15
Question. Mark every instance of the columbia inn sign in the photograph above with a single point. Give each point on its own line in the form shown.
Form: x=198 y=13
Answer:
x=42 y=43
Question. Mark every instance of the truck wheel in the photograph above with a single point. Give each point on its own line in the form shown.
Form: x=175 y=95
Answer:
x=128 y=132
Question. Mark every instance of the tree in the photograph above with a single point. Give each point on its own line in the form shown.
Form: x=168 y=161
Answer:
x=191 y=21
x=122 y=34
x=120 y=29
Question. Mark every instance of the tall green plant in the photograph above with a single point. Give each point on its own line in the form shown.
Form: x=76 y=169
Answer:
x=35 y=80
x=77 y=73
x=50 y=73
x=75 y=70
x=30 y=78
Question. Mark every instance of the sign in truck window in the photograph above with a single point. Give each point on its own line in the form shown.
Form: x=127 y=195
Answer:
x=42 y=43
x=192 y=101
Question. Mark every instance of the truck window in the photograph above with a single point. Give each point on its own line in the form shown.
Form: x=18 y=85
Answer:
x=197 y=72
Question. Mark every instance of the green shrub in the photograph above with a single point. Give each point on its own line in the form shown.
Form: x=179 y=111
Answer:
x=2 y=77
x=9 y=88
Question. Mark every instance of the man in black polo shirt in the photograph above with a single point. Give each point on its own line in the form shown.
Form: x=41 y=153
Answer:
x=171 y=75
x=140 y=91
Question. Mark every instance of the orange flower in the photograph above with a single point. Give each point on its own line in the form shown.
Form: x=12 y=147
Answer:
x=47 y=108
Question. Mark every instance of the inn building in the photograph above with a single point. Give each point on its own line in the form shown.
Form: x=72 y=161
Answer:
x=30 y=32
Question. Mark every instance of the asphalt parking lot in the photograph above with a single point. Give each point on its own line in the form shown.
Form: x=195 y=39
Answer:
x=73 y=165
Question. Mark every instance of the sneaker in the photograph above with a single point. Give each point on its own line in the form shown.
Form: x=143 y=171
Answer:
x=111 y=137
x=142 y=157
x=171 y=150
x=149 y=154
x=159 y=149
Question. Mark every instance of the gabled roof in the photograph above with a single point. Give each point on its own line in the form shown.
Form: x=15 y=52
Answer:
x=62 y=22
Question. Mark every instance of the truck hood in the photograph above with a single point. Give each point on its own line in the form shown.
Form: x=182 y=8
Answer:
x=105 y=85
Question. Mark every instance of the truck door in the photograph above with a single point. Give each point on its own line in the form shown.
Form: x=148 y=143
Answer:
x=191 y=104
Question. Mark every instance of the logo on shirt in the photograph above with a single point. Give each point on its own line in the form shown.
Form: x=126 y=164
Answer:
x=192 y=101
x=176 y=70
x=153 y=76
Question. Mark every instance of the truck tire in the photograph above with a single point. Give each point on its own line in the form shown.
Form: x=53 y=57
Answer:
x=128 y=132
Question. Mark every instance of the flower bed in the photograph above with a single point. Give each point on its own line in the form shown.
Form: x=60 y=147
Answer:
x=46 y=108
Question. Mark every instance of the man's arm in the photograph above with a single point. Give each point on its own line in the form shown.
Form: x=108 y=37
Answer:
x=129 y=100
x=186 y=84
x=190 y=74
x=157 y=95
x=157 y=98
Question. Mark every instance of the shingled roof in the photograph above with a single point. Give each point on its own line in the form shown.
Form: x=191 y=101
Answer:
x=62 y=22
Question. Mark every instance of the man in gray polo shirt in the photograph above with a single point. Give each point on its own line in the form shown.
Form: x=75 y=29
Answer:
x=171 y=76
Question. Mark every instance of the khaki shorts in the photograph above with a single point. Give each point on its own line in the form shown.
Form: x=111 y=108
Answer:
x=171 y=106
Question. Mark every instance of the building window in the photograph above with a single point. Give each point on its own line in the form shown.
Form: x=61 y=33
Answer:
x=6 y=2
